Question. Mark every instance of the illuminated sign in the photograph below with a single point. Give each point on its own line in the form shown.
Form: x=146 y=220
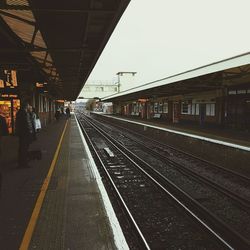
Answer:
x=1 y=84
x=142 y=100
x=8 y=79
x=39 y=85
x=11 y=79
x=8 y=95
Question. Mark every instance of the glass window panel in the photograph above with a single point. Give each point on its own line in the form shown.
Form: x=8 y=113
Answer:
x=232 y=92
x=160 y=107
x=184 y=108
x=208 y=109
x=197 y=109
x=165 y=107
x=155 y=107
x=212 y=109
x=193 y=109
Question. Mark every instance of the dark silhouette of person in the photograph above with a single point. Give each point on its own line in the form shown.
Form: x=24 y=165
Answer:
x=26 y=133
x=57 y=114
x=68 y=112
x=3 y=126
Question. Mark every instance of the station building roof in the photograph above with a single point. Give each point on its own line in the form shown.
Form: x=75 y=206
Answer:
x=57 y=41
x=228 y=72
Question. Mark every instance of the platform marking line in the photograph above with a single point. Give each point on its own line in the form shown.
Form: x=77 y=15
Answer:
x=36 y=211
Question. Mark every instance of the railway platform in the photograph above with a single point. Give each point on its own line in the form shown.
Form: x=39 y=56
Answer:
x=58 y=203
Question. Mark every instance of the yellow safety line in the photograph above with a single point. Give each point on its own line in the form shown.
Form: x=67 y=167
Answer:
x=33 y=219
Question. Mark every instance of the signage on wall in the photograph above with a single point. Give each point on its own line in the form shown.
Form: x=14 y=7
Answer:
x=1 y=84
x=8 y=79
x=39 y=85
x=42 y=87
x=8 y=96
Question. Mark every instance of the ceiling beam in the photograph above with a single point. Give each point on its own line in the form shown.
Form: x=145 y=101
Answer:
x=84 y=40
x=34 y=49
x=44 y=10
x=16 y=41
x=17 y=17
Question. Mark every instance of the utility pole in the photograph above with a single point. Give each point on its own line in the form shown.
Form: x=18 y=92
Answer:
x=128 y=82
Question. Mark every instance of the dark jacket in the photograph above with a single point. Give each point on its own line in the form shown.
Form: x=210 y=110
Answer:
x=24 y=125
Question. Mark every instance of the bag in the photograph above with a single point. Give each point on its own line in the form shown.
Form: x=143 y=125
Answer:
x=38 y=124
x=35 y=155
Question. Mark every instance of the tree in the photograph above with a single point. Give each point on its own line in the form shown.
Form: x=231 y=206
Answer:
x=90 y=104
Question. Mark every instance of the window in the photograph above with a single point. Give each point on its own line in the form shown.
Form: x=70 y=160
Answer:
x=100 y=89
x=156 y=107
x=185 y=108
x=112 y=88
x=160 y=107
x=241 y=91
x=232 y=92
x=195 y=110
x=135 y=108
x=210 y=109
x=151 y=107
x=165 y=107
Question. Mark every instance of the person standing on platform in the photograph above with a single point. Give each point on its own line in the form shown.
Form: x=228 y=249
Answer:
x=33 y=116
x=26 y=133
x=68 y=112
x=37 y=120
x=57 y=114
x=3 y=132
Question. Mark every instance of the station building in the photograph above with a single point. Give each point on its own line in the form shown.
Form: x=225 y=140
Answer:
x=217 y=94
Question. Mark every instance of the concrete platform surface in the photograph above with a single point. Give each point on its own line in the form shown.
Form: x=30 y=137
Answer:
x=58 y=203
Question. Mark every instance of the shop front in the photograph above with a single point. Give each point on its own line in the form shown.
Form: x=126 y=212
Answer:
x=9 y=100
x=9 y=105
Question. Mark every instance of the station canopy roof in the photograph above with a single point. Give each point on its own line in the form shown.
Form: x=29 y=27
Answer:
x=56 y=41
x=226 y=73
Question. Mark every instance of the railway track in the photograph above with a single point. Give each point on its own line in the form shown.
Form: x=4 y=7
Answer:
x=163 y=215
x=229 y=202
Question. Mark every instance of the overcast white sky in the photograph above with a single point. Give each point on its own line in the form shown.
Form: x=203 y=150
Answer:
x=159 y=38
